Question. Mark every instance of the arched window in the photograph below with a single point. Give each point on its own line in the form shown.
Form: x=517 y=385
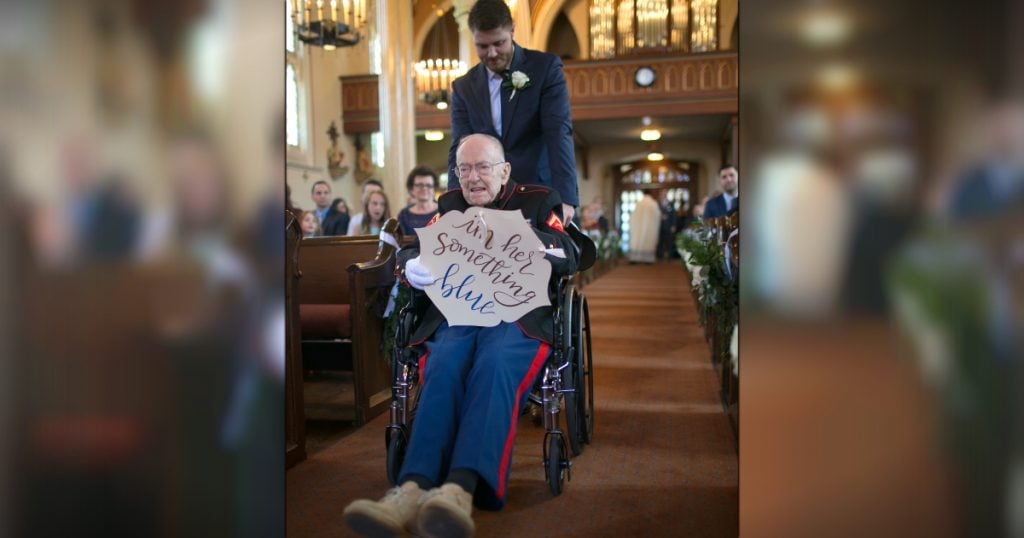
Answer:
x=296 y=90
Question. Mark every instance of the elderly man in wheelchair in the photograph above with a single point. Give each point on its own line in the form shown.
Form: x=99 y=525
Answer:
x=475 y=380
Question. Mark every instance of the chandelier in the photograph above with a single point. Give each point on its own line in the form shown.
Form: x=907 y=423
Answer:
x=337 y=24
x=434 y=79
x=624 y=27
x=434 y=76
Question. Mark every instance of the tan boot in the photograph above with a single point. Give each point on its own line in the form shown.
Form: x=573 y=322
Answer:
x=446 y=512
x=389 y=517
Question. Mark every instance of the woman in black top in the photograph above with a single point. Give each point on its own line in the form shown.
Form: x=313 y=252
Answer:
x=420 y=184
x=336 y=220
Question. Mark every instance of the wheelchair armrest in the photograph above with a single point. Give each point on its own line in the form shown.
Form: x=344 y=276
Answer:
x=585 y=246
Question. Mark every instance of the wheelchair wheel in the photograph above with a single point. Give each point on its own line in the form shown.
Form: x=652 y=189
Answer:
x=585 y=367
x=554 y=469
x=396 y=455
x=572 y=375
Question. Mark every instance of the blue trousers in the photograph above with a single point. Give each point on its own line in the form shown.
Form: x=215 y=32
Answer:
x=475 y=380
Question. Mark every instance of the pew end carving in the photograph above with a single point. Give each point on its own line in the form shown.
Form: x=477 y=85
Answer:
x=295 y=418
x=345 y=285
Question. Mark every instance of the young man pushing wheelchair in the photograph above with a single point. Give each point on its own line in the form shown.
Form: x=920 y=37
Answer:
x=475 y=380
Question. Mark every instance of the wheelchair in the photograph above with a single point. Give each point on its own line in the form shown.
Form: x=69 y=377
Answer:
x=566 y=382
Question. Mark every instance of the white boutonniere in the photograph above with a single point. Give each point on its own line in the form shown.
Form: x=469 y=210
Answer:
x=516 y=81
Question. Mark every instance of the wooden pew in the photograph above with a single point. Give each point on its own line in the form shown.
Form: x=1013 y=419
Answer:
x=295 y=416
x=343 y=290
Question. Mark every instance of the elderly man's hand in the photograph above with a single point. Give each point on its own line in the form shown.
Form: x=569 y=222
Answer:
x=567 y=212
x=418 y=276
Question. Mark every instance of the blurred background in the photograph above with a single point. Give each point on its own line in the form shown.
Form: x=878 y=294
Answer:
x=142 y=166
x=881 y=304
x=141 y=326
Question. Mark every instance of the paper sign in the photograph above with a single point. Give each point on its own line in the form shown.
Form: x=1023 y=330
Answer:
x=489 y=266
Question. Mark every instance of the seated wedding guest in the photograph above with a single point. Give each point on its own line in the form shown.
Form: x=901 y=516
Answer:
x=729 y=200
x=113 y=225
x=321 y=194
x=336 y=221
x=420 y=184
x=310 y=224
x=473 y=377
x=992 y=184
x=355 y=223
x=375 y=212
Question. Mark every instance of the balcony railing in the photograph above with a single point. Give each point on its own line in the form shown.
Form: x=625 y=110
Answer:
x=703 y=83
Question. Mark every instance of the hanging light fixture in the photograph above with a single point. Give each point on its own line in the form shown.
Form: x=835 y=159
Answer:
x=650 y=135
x=434 y=79
x=654 y=152
x=336 y=23
x=434 y=76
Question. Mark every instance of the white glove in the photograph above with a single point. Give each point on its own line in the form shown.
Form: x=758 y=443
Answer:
x=418 y=275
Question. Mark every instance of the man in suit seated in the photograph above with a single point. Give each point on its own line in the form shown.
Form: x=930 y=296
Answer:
x=729 y=201
x=475 y=379
x=520 y=97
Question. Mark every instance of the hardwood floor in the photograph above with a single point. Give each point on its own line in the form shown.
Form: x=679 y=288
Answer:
x=663 y=461
x=330 y=408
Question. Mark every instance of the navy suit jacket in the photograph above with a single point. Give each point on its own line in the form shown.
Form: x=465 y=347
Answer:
x=536 y=124
x=716 y=207
x=978 y=193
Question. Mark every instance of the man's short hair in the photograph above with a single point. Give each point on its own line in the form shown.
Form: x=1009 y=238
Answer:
x=727 y=166
x=320 y=182
x=417 y=172
x=373 y=182
x=489 y=15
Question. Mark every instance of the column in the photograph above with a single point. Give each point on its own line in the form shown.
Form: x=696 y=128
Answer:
x=524 y=29
x=467 y=49
x=396 y=95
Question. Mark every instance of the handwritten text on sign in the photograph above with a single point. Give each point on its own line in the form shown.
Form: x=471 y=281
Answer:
x=489 y=265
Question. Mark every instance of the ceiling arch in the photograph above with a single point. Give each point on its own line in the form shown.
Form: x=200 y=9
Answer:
x=543 y=19
x=423 y=21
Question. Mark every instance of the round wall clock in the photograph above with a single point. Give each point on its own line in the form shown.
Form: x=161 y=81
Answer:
x=644 y=76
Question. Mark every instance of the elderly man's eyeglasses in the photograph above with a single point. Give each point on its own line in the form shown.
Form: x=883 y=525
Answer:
x=482 y=169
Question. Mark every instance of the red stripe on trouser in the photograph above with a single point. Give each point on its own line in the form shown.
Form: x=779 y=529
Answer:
x=423 y=364
x=524 y=385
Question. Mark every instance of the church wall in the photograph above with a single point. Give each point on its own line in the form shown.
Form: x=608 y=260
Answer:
x=324 y=105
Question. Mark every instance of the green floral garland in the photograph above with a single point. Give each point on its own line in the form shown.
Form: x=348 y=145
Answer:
x=387 y=345
x=718 y=293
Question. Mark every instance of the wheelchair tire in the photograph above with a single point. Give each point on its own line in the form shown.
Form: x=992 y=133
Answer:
x=554 y=468
x=572 y=376
x=585 y=397
x=573 y=424
x=396 y=455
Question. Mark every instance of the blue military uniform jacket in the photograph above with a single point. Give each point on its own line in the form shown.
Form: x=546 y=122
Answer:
x=538 y=205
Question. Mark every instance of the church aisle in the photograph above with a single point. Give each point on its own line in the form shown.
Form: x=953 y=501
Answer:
x=663 y=461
